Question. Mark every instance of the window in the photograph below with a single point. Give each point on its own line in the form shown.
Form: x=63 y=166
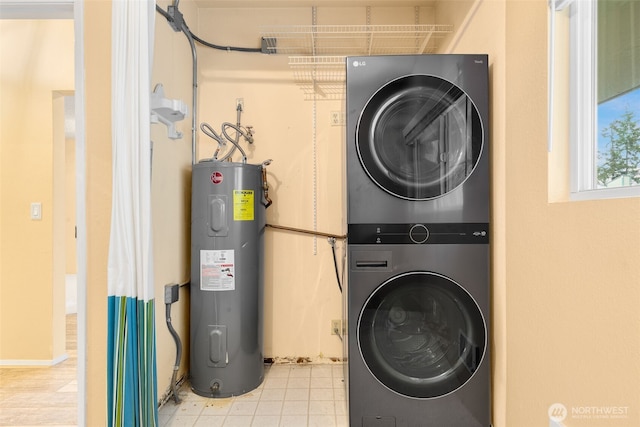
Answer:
x=618 y=94
x=604 y=94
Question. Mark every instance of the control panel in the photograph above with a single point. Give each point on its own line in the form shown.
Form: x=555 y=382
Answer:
x=436 y=233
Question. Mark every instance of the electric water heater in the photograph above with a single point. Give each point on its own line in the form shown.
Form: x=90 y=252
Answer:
x=227 y=280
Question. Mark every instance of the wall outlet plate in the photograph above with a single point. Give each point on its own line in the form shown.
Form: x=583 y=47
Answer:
x=337 y=118
x=336 y=327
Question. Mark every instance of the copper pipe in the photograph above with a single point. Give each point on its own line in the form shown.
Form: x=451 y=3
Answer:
x=311 y=232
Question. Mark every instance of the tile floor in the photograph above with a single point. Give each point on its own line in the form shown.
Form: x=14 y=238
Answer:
x=292 y=395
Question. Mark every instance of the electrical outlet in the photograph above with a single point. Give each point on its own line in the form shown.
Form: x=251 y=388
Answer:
x=336 y=327
x=337 y=118
x=240 y=104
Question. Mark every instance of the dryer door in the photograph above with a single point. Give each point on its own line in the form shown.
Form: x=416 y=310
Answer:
x=421 y=335
x=419 y=137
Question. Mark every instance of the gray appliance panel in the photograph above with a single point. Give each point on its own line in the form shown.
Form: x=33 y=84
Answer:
x=368 y=201
x=369 y=267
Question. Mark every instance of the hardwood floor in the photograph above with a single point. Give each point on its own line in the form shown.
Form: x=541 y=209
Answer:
x=42 y=396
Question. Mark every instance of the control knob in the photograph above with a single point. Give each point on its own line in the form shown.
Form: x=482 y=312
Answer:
x=419 y=233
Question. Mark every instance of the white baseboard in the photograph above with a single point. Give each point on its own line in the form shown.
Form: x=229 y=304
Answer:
x=33 y=363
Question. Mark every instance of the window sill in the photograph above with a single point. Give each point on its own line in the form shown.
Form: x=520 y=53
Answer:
x=606 y=193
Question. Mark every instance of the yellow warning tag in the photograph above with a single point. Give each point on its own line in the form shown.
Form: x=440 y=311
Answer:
x=243 y=205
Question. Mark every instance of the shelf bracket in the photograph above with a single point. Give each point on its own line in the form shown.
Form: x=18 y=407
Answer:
x=166 y=111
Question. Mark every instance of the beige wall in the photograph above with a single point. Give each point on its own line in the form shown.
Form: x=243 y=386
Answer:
x=565 y=274
x=97 y=67
x=577 y=275
x=572 y=284
x=171 y=193
x=37 y=63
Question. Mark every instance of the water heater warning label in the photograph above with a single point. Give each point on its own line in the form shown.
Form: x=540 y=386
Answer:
x=243 y=205
x=217 y=270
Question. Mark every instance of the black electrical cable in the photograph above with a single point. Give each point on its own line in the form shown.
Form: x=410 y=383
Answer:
x=332 y=242
x=176 y=338
x=205 y=43
x=227 y=48
x=163 y=13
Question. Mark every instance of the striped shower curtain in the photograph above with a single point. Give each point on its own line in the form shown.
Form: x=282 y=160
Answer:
x=131 y=370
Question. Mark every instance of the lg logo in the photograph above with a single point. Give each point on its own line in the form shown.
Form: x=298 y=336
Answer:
x=557 y=412
x=359 y=63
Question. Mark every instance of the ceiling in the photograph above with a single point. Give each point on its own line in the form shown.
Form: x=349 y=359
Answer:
x=308 y=3
x=36 y=9
x=63 y=9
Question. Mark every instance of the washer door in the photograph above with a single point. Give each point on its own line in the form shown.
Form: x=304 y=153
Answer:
x=421 y=335
x=419 y=137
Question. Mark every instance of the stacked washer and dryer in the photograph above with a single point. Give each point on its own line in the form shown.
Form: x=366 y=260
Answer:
x=417 y=296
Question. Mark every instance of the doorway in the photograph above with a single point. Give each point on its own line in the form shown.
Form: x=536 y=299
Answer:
x=51 y=12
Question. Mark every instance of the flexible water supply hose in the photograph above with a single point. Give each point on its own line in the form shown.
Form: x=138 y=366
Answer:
x=236 y=142
x=208 y=130
x=239 y=131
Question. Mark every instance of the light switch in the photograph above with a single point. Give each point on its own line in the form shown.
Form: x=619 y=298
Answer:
x=36 y=211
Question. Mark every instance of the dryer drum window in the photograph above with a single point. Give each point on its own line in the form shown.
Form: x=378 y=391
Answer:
x=419 y=137
x=421 y=335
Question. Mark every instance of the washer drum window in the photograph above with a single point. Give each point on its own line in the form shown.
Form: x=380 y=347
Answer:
x=421 y=335
x=419 y=137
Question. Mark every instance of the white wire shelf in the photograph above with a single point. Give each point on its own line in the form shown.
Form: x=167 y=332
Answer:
x=317 y=52
x=353 y=39
x=322 y=76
